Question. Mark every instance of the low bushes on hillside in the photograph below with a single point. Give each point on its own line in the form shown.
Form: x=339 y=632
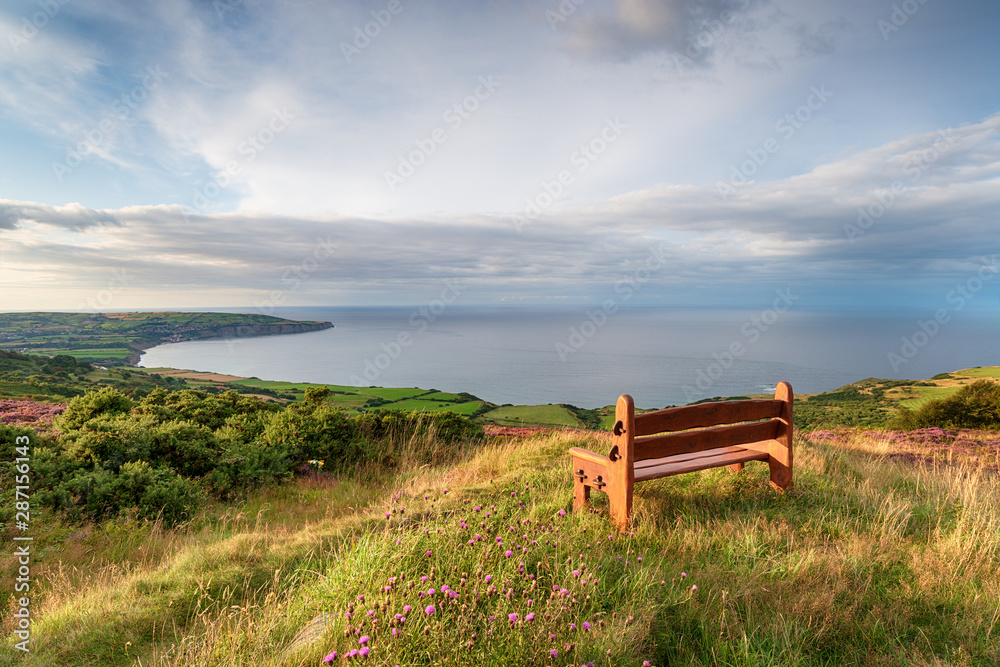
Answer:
x=975 y=405
x=164 y=454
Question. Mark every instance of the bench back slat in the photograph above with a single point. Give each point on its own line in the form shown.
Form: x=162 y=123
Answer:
x=706 y=414
x=657 y=446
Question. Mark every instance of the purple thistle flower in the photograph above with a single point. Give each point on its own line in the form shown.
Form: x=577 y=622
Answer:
x=586 y=625
x=530 y=617
x=561 y=512
x=512 y=618
x=572 y=627
x=488 y=578
x=407 y=608
x=508 y=553
x=554 y=652
x=364 y=639
x=331 y=657
x=683 y=575
x=429 y=609
x=576 y=573
x=694 y=588
x=364 y=651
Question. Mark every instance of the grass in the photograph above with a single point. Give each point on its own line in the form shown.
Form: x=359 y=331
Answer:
x=464 y=408
x=87 y=353
x=948 y=385
x=866 y=561
x=534 y=415
x=925 y=394
x=980 y=372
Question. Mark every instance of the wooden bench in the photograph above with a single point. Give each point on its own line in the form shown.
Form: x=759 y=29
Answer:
x=659 y=444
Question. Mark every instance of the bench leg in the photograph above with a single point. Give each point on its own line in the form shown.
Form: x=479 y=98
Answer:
x=581 y=495
x=736 y=467
x=621 y=505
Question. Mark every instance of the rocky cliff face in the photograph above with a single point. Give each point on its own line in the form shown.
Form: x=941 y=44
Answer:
x=241 y=331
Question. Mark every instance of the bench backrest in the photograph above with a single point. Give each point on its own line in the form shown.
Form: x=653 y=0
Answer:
x=722 y=424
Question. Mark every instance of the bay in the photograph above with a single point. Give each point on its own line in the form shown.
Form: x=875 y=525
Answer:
x=586 y=357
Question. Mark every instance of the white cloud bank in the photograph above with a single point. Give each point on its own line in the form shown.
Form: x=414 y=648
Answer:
x=911 y=217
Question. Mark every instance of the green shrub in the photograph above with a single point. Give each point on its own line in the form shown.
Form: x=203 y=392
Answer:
x=152 y=492
x=975 y=405
x=244 y=466
x=453 y=428
x=109 y=441
x=322 y=433
x=189 y=449
x=81 y=409
x=198 y=407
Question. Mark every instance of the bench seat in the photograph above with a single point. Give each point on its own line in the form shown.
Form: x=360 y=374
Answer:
x=682 y=463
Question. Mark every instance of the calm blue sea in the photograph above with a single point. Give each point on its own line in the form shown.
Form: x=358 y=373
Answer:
x=662 y=356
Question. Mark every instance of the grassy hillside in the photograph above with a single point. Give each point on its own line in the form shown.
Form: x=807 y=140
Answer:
x=874 y=402
x=866 y=561
x=56 y=379
x=115 y=339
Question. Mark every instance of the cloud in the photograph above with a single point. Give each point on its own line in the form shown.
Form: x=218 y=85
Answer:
x=932 y=200
x=71 y=216
x=635 y=27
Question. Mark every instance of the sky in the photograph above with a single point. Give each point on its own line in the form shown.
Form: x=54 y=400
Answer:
x=258 y=154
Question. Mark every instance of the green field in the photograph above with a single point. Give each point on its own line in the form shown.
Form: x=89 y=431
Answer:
x=93 y=353
x=533 y=415
x=980 y=372
x=926 y=394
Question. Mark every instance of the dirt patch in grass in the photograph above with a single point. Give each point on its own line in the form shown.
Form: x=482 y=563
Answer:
x=196 y=375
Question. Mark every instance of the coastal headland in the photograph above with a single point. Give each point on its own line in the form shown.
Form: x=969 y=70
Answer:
x=118 y=339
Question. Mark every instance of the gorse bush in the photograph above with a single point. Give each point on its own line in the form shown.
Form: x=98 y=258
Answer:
x=975 y=405
x=163 y=455
x=82 y=409
x=138 y=488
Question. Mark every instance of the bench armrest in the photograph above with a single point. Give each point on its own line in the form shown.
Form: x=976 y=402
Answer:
x=587 y=455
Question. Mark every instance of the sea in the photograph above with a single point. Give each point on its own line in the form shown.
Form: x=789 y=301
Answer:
x=587 y=356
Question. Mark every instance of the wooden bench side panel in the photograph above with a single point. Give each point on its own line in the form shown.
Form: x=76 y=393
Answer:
x=780 y=451
x=590 y=470
x=706 y=414
x=622 y=464
x=659 y=446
